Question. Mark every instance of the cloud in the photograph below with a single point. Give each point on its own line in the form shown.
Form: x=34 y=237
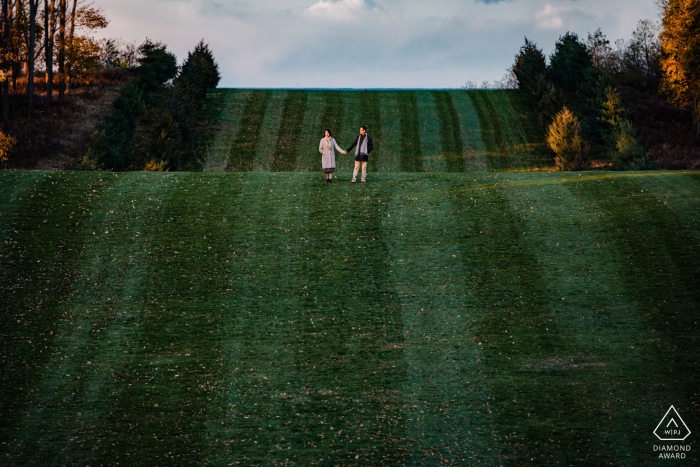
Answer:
x=364 y=43
x=343 y=9
x=551 y=17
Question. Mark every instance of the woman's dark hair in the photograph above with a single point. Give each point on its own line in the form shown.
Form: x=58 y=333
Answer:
x=329 y=133
x=364 y=127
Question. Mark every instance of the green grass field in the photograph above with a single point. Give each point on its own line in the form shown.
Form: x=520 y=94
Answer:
x=413 y=131
x=429 y=317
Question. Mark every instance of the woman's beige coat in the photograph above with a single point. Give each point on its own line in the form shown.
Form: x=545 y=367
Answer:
x=327 y=147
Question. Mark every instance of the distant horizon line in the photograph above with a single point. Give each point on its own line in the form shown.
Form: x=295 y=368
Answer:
x=360 y=89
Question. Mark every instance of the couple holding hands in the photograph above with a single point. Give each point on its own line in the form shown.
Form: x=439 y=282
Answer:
x=363 y=146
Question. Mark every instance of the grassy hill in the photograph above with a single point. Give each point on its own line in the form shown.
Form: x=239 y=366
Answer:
x=474 y=318
x=413 y=131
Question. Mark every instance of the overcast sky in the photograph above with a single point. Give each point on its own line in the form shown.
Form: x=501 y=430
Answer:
x=366 y=43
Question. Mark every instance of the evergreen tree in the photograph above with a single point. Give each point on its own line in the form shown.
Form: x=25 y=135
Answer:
x=200 y=70
x=112 y=145
x=569 y=63
x=530 y=66
x=564 y=138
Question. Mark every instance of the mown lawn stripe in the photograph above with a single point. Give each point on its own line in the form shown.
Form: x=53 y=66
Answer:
x=662 y=264
x=371 y=118
x=429 y=124
x=450 y=131
x=491 y=132
x=38 y=273
x=598 y=325
x=218 y=154
x=444 y=394
x=324 y=110
x=245 y=144
x=522 y=136
x=388 y=159
x=333 y=112
x=206 y=126
x=411 y=159
x=300 y=358
x=270 y=131
x=174 y=363
x=473 y=146
x=83 y=364
x=293 y=113
x=513 y=310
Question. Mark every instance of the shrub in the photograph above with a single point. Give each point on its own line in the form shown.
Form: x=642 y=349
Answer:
x=155 y=166
x=627 y=152
x=159 y=141
x=6 y=143
x=564 y=138
x=87 y=163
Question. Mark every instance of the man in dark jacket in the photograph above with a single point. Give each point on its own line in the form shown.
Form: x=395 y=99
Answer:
x=363 y=146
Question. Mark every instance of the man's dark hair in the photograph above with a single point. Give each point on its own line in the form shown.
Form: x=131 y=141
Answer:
x=364 y=127
x=329 y=132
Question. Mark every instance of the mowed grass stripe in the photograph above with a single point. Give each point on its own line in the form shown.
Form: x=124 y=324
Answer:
x=270 y=131
x=512 y=309
x=174 y=365
x=293 y=113
x=13 y=186
x=444 y=394
x=371 y=118
x=101 y=307
x=309 y=159
x=206 y=127
x=491 y=131
x=411 y=159
x=388 y=159
x=473 y=146
x=593 y=320
x=450 y=131
x=218 y=155
x=661 y=254
x=523 y=139
x=38 y=273
x=333 y=112
x=244 y=148
x=263 y=313
x=431 y=141
x=300 y=358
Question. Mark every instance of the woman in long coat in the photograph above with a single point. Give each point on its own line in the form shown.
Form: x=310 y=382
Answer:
x=327 y=147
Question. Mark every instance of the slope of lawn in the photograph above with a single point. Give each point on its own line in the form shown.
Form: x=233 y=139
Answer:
x=413 y=131
x=421 y=319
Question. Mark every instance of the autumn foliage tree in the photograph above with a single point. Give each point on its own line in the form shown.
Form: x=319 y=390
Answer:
x=680 y=61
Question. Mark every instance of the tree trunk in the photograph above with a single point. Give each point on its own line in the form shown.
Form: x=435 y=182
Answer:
x=69 y=69
x=33 y=7
x=16 y=65
x=5 y=68
x=697 y=114
x=49 y=27
x=62 y=49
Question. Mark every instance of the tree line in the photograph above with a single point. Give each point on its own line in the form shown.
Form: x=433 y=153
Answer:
x=47 y=34
x=150 y=125
x=594 y=99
